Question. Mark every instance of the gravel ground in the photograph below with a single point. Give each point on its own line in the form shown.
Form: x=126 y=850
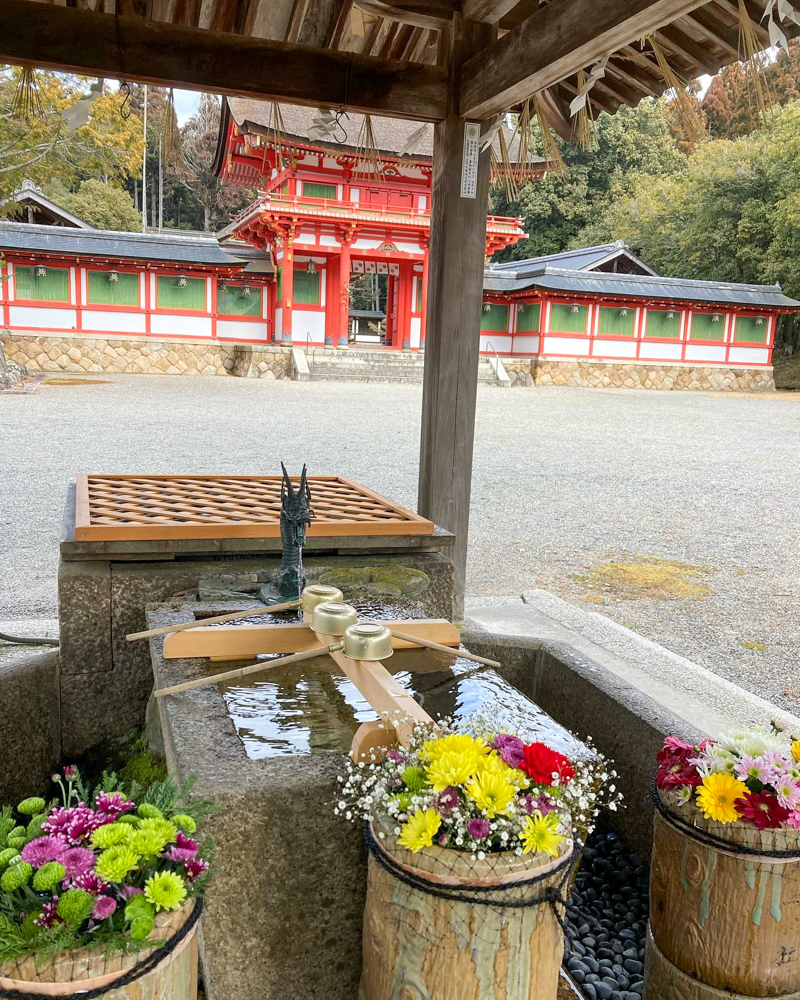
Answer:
x=564 y=481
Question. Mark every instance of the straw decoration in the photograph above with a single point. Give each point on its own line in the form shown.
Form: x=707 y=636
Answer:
x=682 y=106
x=501 y=168
x=27 y=103
x=583 y=129
x=275 y=130
x=367 y=154
x=753 y=63
x=550 y=150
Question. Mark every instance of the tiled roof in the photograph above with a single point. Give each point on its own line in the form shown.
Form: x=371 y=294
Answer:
x=159 y=247
x=632 y=286
x=391 y=134
x=584 y=259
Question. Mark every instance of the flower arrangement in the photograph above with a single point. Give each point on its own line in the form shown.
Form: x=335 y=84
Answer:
x=751 y=776
x=95 y=867
x=480 y=790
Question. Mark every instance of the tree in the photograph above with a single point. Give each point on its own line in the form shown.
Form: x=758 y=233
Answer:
x=43 y=148
x=218 y=201
x=103 y=206
x=560 y=211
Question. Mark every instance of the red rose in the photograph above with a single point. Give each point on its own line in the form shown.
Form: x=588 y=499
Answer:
x=542 y=764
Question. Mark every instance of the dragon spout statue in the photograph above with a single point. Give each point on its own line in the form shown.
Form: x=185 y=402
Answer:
x=296 y=515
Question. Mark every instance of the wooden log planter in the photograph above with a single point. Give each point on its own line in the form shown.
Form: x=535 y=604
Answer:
x=167 y=971
x=440 y=926
x=724 y=909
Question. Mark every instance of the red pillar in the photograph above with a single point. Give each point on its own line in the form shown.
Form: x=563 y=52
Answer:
x=389 y=334
x=344 y=294
x=424 y=318
x=288 y=291
x=404 y=306
x=331 y=301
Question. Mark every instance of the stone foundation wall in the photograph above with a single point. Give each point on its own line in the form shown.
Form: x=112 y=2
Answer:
x=119 y=355
x=540 y=371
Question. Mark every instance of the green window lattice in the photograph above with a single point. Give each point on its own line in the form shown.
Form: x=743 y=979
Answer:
x=306 y=287
x=311 y=190
x=419 y=294
x=568 y=319
x=528 y=318
x=708 y=326
x=616 y=321
x=123 y=291
x=494 y=318
x=190 y=297
x=50 y=286
x=233 y=300
x=749 y=330
x=663 y=323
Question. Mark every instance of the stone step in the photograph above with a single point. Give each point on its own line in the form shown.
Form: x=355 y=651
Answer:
x=376 y=366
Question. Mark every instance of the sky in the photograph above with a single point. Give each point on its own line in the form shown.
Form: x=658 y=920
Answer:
x=186 y=103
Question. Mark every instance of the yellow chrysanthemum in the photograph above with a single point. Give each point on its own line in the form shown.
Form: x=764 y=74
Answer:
x=452 y=768
x=717 y=794
x=796 y=750
x=539 y=835
x=493 y=793
x=420 y=830
x=455 y=743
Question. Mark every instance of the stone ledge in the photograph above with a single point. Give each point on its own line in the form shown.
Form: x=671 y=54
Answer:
x=636 y=375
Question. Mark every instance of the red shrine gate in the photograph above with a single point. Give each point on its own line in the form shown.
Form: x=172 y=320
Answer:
x=327 y=216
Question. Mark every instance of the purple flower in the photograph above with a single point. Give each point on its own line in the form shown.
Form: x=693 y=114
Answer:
x=75 y=823
x=90 y=882
x=395 y=756
x=104 y=906
x=478 y=828
x=536 y=803
x=195 y=868
x=131 y=890
x=70 y=773
x=180 y=854
x=49 y=914
x=77 y=861
x=443 y=838
x=511 y=748
x=38 y=852
x=113 y=805
x=446 y=801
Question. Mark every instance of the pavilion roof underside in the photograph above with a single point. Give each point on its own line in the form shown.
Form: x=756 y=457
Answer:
x=696 y=38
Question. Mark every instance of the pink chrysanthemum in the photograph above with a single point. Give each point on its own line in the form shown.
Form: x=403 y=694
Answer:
x=793 y=819
x=753 y=769
x=180 y=854
x=104 y=906
x=75 y=824
x=195 y=868
x=788 y=793
x=446 y=801
x=113 y=805
x=90 y=882
x=77 y=861
x=49 y=914
x=479 y=829
x=44 y=849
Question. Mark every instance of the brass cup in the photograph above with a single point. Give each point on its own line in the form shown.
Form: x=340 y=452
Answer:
x=368 y=641
x=332 y=618
x=318 y=593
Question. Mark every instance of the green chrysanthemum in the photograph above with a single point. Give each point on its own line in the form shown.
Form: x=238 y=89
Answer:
x=31 y=806
x=185 y=822
x=141 y=927
x=7 y=855
x=75 y=906
x=16 y=876
x=138 y=906
x=48 y=876
x=129 y=818
x=18 y=842
x=167 y=830
x=18 y=831
x=165 y=890
x=110 y=835
x=148 y=811
x=115 y=863
x=147 y=842
x=414 y=778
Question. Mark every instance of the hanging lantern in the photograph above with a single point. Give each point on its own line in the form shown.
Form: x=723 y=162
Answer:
x=574 y=308
x=181 y=281
x=716 y=317
x=245 y=290
x=670 y=315
x=41 y=271
x=623 y=311
x=312 y=267
x=759 y=320
x=113 y=276
x=222 y=284
x=487 y=307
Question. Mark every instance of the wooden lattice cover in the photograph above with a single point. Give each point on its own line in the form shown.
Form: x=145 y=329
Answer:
x=116 y=508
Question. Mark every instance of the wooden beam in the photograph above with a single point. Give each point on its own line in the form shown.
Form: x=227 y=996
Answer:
x=691 y=50
x=420 y=13
x=455 y=293
x=561 y=38
x=490 y=11
x=83 y=41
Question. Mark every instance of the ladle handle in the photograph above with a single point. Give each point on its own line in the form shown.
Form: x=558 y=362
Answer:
x=168 y=629
x=455 y=653
x=251 y=668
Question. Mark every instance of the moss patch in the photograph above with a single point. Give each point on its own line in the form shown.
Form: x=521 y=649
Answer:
x=787 y=372
x=754 y=645
x=128 y=756
x=376 y=581
x=634 y=579
x=76 y=381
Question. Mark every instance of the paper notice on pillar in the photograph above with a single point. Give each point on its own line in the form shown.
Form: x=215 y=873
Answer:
x=469 y=163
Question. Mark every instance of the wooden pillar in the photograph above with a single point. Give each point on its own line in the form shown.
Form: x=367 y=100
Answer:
x=344 y=294
x=288 y=291
x=455 y=291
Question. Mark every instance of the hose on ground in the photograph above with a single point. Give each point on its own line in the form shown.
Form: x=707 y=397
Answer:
x=27 y=640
